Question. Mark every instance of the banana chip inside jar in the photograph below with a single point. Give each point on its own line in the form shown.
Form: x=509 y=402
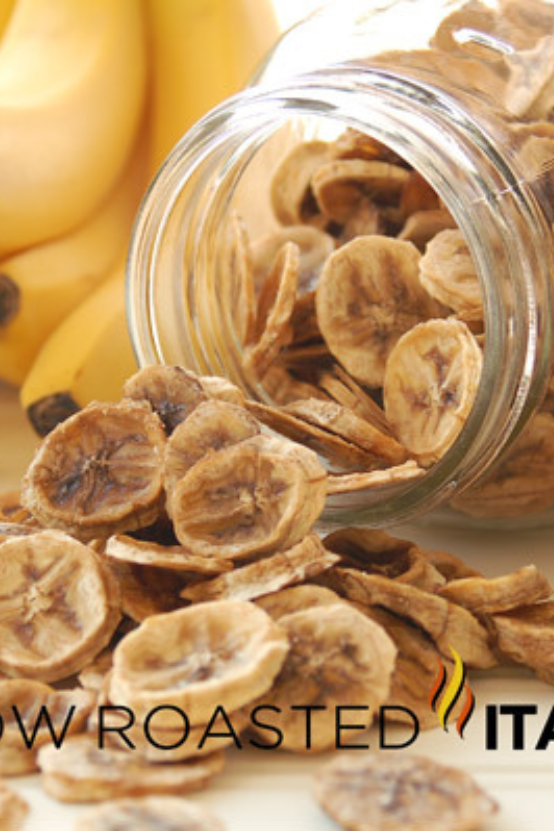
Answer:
x=99 y=471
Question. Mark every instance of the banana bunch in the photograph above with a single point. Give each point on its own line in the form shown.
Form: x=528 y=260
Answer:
x=93 y=95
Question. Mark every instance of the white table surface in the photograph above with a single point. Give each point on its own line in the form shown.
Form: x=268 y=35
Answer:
x=272 y=791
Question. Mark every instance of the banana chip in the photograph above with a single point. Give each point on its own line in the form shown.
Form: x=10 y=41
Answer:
x=226 y=652
x=291 y=194
x=314 y=248
x=339 y=186
x=369 y=295
x=380 y=792
x=146 y=590
x=260 y=495
x=431 y=381
x=148 y=814
x=98 y=472
x=79 y=771
x=448 y=273
x=374 y=480
x=238 y=294
x=143 y=553
x=486 y=596
x=172 y=392
x=222 y=390
x=13 y=809
x=297 y=599
x=422 y=227
x=526 y=635
x=59 y=607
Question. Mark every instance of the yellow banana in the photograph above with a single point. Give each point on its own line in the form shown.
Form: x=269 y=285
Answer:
x=202 y=52
x=42 y=285
x=6 y=8
x=72 y=89
x=88 y=357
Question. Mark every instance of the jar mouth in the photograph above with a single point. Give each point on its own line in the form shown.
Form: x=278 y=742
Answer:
x=173 y=297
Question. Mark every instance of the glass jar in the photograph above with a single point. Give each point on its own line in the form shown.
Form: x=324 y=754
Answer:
x=463 y=93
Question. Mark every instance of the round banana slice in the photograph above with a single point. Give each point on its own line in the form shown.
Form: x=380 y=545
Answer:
x=222 y=390
x=224 y=653
x=422 y=227
x=431 y=381
x=213 y=425
x=58 y=606
x=297 y=599
x=337 y=657
x=341 y=185
x=315 y=246
x=67 y=711
x=448 y=273
x=274 y=312
x=13 y=809
x=291 y=194
x=171 y=391
x=128 y=550
x=384 y=792
x=303 y=561
x=149 y=814
x=99 y=471
x=81 y=771
x=486 y=596
x=368 y=295
x=257 y=496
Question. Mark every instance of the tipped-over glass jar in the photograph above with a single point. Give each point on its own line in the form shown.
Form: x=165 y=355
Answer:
x=370 y=224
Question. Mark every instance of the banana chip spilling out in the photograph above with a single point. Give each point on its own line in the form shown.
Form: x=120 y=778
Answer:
x=149 y=814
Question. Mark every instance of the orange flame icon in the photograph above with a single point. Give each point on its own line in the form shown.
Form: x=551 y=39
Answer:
x=452 y=694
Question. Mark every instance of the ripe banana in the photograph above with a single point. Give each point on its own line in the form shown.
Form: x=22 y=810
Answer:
x=87 y=357
x=42 y=285
x=72 y=90
x=202 y=52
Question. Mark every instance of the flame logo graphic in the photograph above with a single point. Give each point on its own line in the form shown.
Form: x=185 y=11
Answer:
x=451 y=695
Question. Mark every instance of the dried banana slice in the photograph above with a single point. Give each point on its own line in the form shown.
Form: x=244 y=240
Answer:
x=526 y=635
x=79 y=771
x=347 y=392
x=58 y=608
x=446 y=623
x=337 y=657
x=305 y=560
x=339 y=186
x=222 y=653
x=172 y=392
x=430 y=385
x=291 y=194
x=67 y=710
x=418 y=195
x=448 y=273
x=297 y=599
x=368 y=218
x=375 y=552
x=149 y=814
x=352 y=144
x=451 y=567
x=343 y=422
x=422 y=227
x=13 y=809
x=147 y=590
x=11 y=509
x=380 y=792
x=257 y=496
x=368 y=295
x=128 y=550
x=374 y=480
x=487 y=596
x=315 y=246
x=523 y=482
x=92 y=677
x=14 y=529
x=222 y=390
x=98 y=472
x=238 y=294
x=213 y=425
x=274 y=312
x=283 y=387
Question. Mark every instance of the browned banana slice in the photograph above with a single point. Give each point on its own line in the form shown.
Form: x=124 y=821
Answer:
x=283 y=387
x=147 y=590
x=526 y=635
x=375 y=552
x=257 y=496
x=351 y=144
x=523 y=482
x=343 y=422
x=297 y=599
x=222 y=653
x=58 y=606
x=431 y=381
x=421 y=227
x=486 y=596
x=337 y=657
x=79 y=771
x=448 y=273
x=213 y=425
x=99 y=471
x=11 y=509
x=353 y=396
x=128 y=550
x=238 y=296
x=303 y=561
x=67 y=710
x=368 y=218
x=446 y=623
x=160 y=813
x=384 y=792
x=291 y=194
x=14 y=529
x=374 y=480
x=368 y=295
x=451 y=567
x=274 y=313
x=314 y=245
x=13 y=809
x=171 y=391
x=340 y=186
x=222 y=390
